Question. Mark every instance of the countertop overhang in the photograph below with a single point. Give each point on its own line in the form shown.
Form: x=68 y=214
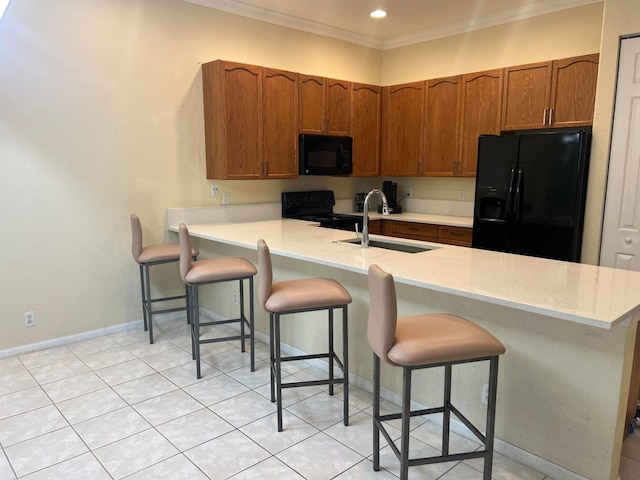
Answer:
x=585 y=294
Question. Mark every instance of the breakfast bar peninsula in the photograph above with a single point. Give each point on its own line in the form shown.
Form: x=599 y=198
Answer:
x=569 y=330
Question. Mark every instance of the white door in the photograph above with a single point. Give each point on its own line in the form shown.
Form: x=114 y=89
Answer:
x=620 y=246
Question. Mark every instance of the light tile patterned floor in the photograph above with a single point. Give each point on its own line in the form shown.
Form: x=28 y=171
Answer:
x=116 y=407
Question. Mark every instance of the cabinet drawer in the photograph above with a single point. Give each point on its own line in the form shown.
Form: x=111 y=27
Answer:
x=416 y=231
x=457 y=234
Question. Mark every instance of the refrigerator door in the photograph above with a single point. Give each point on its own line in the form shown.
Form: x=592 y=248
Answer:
x=549 y=194
x=497 y=164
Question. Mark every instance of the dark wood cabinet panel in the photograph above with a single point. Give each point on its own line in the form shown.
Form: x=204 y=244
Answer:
x=481 y=107
x=553 y=94
x=248 y=111
x=324 y=105
x=233 y=125
x=573 y=91
x=442 y=127
x=403 y=129
x=527 y=92
x=365 y=129
x=280 y=123
x=428 y=232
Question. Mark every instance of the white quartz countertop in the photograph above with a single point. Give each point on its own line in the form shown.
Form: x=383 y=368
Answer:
x=448 y=220
x=586 y=294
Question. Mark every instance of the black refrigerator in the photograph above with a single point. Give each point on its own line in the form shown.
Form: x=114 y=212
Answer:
x=531 y=192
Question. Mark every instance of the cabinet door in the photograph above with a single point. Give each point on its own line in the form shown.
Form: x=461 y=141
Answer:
x=442 y=127
x=573 y=91
x=311 y=104
x=527 y=90
x=338 y=93
x=280 y=124
x=233 y=123
x=403 y=129
x=480 y=114
x=365 y=129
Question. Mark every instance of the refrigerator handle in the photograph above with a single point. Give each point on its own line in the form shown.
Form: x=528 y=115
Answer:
x=517 y=201
x=509 y=206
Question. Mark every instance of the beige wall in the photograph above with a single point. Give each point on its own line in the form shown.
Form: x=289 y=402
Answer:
x=102 y=116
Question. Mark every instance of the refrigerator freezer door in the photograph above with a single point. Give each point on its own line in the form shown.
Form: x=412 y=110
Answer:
x=497 y=162
x=549 y=205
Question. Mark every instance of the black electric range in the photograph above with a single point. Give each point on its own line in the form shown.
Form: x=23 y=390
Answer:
x=317 y=206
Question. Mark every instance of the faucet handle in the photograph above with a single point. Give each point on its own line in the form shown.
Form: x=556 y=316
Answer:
x=357 y=233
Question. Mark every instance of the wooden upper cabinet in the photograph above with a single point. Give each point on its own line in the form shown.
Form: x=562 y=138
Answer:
x=233 y=124
x=479 y=115
x=550 y=94
x=403 y=113
x=280 y=123
x=248 y=111
x=365 y=129
x=442 y=127
x=324 y=105
x=573 y=91
x=527 y=90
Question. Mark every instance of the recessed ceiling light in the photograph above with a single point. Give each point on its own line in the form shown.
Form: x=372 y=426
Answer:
x=378 y=14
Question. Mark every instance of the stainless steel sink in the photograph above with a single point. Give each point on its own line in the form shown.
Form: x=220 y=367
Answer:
x=391 y=245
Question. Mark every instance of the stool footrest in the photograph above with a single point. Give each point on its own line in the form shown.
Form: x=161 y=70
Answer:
x=311 y=383
x=166 y=299
x=225 y=321
x=164 y=310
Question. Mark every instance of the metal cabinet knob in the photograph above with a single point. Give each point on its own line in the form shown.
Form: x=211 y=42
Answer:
x=627 y=240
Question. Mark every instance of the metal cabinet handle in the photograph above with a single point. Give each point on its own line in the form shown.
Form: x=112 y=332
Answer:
x=550 y=116
x=544 y=117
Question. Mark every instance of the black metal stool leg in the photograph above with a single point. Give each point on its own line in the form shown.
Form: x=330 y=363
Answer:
x=406 y=419
x=491 y=416
x=446 y=415
x=345 y=362
x=242 y=317
x=332 y=354
x=252 y=343
x=278 y=372
x=144 y=300
x=148 y=303
x=376 y=412
x=272 y=355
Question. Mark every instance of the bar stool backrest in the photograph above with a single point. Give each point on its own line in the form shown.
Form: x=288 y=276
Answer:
x=136 y=237
x=185 y=252
x=383 y=312
x=266 y=272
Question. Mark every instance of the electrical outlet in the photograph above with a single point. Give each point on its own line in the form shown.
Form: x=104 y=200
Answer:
x=235 y=297
x=214 y=190
x=485 y=393
x=461 y=195
x=29 y=319
x=225 y=198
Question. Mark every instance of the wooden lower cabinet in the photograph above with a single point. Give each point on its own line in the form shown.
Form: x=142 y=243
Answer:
x=427 y=232
x=375 y=226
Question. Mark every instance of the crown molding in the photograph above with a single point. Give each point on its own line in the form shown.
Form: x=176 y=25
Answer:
x=507 y=16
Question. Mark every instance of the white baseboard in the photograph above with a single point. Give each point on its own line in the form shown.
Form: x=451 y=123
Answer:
x=510 y=451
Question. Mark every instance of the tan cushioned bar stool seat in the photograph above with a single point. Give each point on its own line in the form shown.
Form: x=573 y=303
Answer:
x=219 y=269
x=306 y=293
x=438 y=338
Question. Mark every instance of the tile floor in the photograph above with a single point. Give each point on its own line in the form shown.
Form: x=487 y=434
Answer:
x=116 y=407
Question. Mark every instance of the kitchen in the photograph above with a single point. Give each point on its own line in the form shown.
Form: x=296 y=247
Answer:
x=103 y=116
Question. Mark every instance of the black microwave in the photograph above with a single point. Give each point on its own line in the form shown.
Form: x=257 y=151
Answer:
x=325 y=154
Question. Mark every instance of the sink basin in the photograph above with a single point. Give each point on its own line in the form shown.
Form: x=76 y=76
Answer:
x=391 y=245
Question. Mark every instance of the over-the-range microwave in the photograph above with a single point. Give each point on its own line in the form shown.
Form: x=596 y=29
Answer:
x=325 y=154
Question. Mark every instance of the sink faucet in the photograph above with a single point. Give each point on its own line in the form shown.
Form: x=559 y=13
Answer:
x=365 y=220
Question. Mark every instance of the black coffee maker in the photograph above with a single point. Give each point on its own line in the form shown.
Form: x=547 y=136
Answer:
x=390 y=190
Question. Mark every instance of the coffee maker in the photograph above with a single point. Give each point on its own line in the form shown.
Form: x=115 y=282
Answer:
x=390 y=190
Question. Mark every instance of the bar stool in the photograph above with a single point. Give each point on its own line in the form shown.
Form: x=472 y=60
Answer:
x=296 y=296
x=147 y=257
x=426 y=341
x=216 y=270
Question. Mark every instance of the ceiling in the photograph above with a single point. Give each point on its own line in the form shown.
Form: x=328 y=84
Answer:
x=407 y=22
